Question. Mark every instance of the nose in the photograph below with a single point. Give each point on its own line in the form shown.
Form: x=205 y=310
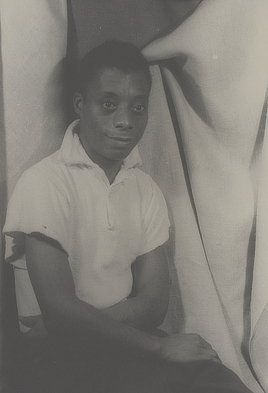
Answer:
x=122 y=119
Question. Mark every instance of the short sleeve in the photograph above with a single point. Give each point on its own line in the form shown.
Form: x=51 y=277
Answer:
x=155 y=225
x=37 y=205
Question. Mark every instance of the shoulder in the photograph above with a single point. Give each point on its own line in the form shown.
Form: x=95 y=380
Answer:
x=149 y=191
x=145 y=182
x=46 y=173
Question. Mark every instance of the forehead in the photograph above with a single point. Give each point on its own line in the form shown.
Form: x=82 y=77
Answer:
x=117 y=82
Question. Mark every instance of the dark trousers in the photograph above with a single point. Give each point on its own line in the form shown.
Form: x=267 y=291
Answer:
x=53 y=366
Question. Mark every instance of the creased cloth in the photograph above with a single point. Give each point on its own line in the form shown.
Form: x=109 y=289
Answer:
x=33 y=44
x=206 y=129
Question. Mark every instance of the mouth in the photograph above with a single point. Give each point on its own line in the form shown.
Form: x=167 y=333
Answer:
x=120 y=141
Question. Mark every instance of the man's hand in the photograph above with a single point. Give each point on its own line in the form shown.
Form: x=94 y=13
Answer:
x=187 y=348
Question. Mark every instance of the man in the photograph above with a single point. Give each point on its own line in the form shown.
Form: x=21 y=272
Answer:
x=93 y=228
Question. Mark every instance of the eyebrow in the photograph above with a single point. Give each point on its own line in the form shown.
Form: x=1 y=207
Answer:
x=112 y=94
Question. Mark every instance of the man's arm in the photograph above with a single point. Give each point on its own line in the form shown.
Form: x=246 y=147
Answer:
x=146 y=309
x=65 y=313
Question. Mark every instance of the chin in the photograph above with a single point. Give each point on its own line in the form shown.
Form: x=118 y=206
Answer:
x=120 y=155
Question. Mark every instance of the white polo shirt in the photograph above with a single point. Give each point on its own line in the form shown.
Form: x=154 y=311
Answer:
x=102 y=227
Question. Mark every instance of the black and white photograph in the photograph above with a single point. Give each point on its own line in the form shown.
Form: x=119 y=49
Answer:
x=134 y=196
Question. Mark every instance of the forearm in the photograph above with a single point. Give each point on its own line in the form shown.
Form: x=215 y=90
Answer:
x=139 y=312
x=80 y=321
x=146 y=309
x=90 y=327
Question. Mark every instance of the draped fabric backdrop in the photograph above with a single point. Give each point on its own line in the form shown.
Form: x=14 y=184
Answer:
x=205 y=144
x=209 y=96
x=33 y=48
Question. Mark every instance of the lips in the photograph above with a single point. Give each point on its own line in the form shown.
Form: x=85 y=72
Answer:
x=119 y=140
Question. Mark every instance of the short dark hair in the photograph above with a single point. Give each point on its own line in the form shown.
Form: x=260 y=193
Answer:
x=123 y=56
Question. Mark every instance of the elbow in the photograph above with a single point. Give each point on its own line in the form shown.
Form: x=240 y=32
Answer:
x=60 y=318
x=54 y=318
x=159 y=317
x=152 y=321
x=160 y=309
x=157 y=314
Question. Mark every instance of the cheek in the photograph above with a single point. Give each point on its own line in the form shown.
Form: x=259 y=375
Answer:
x=141 y=123
x=99 y=123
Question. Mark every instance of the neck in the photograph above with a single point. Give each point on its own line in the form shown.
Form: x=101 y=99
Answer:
x=112 y=171
x=110 y=167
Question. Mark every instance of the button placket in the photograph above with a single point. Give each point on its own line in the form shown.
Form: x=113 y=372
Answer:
x=114 y=187
x=108 y=210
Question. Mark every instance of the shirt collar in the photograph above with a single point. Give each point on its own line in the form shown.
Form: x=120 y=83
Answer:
x=73 y=153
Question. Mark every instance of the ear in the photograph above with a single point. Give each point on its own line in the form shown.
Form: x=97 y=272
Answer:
x=78 y=103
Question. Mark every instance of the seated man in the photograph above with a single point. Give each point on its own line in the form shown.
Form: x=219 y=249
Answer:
x=93 y=227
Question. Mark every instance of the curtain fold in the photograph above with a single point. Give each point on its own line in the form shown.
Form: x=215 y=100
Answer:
x=259 y=304
x=210 y=98
x=33 y=51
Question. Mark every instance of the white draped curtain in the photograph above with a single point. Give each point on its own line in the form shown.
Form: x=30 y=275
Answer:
x=207 y=130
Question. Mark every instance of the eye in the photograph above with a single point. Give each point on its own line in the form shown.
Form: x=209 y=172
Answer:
x=138 y=108
x=108 y=105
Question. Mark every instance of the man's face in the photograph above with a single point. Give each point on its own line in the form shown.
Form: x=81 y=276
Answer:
x=113 y=115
